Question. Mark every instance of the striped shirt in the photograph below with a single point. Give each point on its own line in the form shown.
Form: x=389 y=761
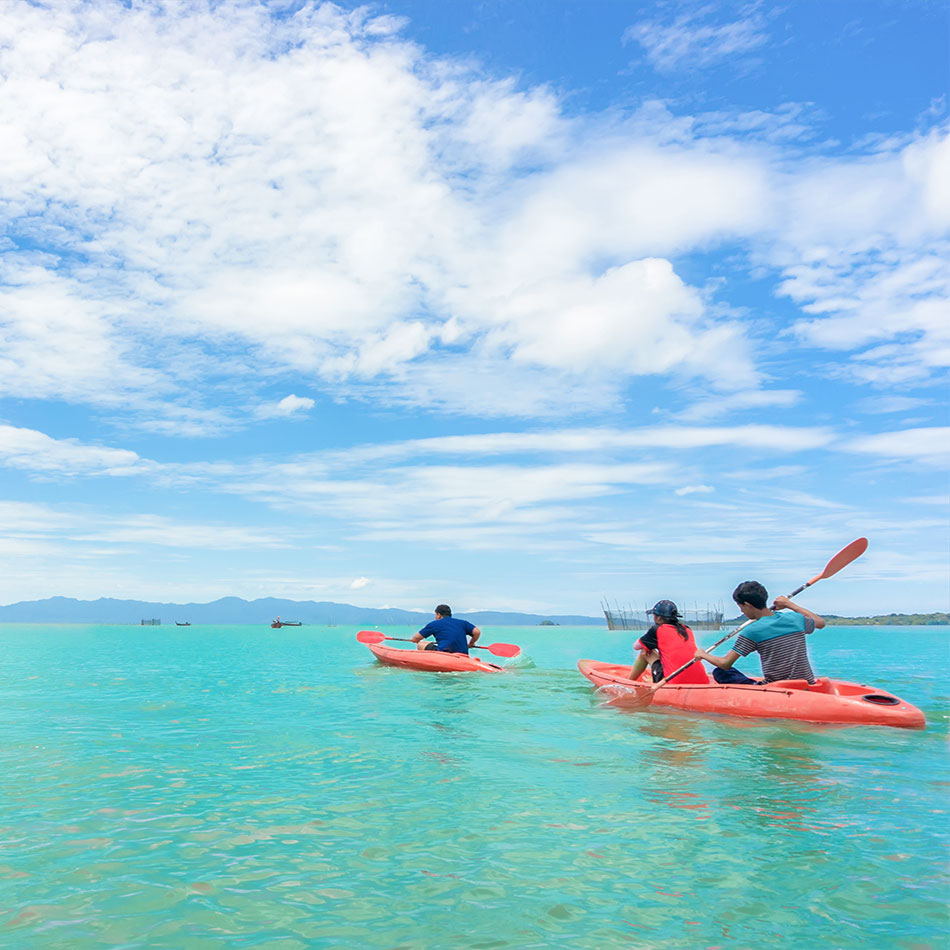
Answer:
x=780 y=640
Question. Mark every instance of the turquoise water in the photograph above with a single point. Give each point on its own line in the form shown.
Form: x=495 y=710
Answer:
x=236 y=787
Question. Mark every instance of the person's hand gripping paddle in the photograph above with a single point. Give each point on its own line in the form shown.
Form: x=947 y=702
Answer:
x=646 y=691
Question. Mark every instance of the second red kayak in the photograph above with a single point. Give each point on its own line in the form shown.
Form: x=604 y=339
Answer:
x=826 y=701
x=432 y=660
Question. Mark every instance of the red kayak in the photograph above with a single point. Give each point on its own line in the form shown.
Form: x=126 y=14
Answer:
x=827 y=700
x=432 y=660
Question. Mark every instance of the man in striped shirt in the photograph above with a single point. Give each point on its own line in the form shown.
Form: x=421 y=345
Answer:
x=779 y=638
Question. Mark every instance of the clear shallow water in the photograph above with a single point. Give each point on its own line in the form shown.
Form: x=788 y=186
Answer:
x=236 y=787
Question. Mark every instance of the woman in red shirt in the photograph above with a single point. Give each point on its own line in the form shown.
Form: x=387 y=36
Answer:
x=666 y=646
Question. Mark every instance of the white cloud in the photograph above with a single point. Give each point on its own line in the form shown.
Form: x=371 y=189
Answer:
x=693 y=489
x=930 y=444
x=864 y=252
x=26 y=518
x=690 y=41
x=712 y=406
x=805 y=500
x=885 y=404
x=76 y=532
x=36 y=452
x=143 y=529
x=223 y=192
x=59 y=338
x=316 y=228
x=359 y=583
x=753 y=437
x=288 y=406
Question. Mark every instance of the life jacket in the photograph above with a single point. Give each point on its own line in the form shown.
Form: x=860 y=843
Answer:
x=675 y=651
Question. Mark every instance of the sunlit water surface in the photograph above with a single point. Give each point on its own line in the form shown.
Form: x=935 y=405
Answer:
x=235 y=787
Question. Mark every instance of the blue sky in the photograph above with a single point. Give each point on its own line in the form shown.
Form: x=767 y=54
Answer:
x=510 y=305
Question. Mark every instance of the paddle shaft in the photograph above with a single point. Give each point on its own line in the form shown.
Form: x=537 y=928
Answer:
x=471 y=646
x=498 y=649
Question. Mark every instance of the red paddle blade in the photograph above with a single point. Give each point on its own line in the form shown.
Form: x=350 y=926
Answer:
x=636 y=695
x=504 y=649
x=370 y=636
x=639 y=699
x=843 y=558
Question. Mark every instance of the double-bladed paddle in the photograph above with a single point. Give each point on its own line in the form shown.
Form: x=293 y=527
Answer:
x=645 y=691
x=499 y=649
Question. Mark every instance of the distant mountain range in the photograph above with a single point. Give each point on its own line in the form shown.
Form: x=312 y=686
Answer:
x=229 y=610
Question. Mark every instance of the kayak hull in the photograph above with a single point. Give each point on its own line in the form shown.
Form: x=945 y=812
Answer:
x=826 y=701
x=433 y=661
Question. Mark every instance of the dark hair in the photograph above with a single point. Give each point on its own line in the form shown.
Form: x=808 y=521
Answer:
x=667 y=612
x=752 y=593
x=444 y=610
x=677 y=625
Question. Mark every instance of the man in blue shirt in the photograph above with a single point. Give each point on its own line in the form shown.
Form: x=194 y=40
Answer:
x=451 y=634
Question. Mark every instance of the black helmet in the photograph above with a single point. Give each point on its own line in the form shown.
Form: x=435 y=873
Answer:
x=664 y=608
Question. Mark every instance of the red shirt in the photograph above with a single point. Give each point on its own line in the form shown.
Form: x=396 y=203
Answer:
x=674 y=652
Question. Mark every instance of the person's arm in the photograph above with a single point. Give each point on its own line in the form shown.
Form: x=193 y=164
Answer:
x=473 y=636
x=783 y=603
x=418 y=637
x=723 y=662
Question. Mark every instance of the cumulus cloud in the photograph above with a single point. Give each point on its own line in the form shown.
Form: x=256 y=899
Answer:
x=359 y=583
x=864 y=253
x=209 y=190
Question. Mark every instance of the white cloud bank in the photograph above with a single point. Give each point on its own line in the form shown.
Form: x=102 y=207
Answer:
x=313 y=194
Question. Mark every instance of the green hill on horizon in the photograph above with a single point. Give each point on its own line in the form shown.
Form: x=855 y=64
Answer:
x=936 y=619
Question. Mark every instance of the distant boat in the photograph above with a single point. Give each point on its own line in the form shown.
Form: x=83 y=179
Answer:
x=286 y=623
x=178 y=623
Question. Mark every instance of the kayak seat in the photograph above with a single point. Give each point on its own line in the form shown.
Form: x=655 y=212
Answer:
x=821 y=685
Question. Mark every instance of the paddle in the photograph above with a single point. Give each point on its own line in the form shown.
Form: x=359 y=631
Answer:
x=644 y=695
x=499 y=649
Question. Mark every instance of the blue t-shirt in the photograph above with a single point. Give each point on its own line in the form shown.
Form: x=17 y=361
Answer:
x=451 y=634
